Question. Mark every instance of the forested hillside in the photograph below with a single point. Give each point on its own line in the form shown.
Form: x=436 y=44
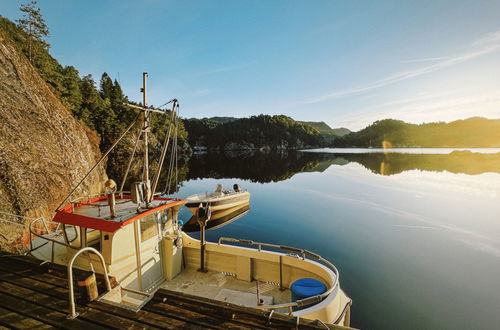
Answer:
x=325 y=129
x=474 y=132
x=256 y=132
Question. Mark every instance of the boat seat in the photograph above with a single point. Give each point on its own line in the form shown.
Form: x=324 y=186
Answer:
x=218 y=191
x=217 y=194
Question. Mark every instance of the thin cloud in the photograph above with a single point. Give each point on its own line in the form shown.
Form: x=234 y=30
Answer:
x=438 y=107
x=429 y=59
x=492 y=37
x=491 y=44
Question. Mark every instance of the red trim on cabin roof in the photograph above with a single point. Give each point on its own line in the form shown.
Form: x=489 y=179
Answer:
x=66 y=216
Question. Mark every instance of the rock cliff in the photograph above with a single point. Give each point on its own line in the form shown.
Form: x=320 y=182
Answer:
x=44 y=151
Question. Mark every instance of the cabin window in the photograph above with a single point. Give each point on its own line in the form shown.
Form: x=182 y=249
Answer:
x=94 y=239
x=149 y=227
x=70 y=233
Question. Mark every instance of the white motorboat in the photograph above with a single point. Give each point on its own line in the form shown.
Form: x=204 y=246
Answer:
x=218 y=200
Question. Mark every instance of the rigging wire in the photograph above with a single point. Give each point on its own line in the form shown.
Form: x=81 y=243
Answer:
x=99 y=161
x=173 y=155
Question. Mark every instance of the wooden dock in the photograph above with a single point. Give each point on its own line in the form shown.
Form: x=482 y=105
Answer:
x=36 y=296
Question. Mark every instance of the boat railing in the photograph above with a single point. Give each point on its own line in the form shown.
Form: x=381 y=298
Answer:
x=13 y=219
x=301 y=254
x=73 y=314
x=90 y=196
x=48 y=235
x=19 y=222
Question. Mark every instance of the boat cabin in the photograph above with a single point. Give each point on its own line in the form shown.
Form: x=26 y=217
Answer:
x=139 y=247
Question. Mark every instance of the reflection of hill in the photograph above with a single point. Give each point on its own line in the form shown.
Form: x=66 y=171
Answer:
x=274 y=167
x=257 y=167
x=456 y=162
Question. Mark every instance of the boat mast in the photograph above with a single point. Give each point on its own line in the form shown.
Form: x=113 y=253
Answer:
x=146 y=129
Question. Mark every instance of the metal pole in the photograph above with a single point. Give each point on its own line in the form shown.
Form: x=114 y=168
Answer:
x=203 y=243
x=146 y=137
x=138 y=262
x=204 y=215
x=259 y=301
x=281 y=273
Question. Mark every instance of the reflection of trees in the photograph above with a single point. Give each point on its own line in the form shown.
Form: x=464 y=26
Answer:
x=257 y=166
x=274 y=167
x=456 y=162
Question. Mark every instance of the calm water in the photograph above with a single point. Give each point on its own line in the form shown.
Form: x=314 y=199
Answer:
x=416 y=237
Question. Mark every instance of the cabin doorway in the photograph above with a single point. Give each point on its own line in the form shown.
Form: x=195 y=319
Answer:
x=151 y=259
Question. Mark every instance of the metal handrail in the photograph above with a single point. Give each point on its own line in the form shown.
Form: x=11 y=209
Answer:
x=304 y=253
x=32 y=232
x=78 y=199
x=73 y=314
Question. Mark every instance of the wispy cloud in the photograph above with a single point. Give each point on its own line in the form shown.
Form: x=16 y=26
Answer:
x=490 y=44
x=492 y=37
x=431 y=107
x=429 y=59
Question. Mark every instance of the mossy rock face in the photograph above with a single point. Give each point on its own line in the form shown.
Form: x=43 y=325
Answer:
x=44 y=151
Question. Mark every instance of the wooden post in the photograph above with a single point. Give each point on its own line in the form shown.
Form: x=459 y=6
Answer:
x=112 y=205
x=90 y=285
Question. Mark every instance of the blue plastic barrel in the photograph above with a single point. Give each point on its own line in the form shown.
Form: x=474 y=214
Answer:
x=305 y=288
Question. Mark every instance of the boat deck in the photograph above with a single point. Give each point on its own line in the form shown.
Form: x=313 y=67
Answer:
x=34 y=296
x=227 y=288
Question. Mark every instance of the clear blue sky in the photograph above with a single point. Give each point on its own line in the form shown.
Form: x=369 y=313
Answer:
x=347 y=63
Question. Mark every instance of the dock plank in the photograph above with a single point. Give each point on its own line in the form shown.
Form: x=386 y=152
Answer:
x=36 y=296
x=140 y=319
x=13 y=320
x=43 y=314
x=89 y=314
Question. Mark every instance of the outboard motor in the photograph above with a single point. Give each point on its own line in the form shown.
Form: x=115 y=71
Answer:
x=236 y=187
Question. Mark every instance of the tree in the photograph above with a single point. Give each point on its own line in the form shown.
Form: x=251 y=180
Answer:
x=34 y=25
x=106 y=86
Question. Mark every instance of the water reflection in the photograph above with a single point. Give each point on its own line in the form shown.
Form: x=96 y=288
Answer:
x=406 y=233
x=274 y=167
x=218 y=219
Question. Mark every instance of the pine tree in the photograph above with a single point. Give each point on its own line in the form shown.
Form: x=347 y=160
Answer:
x=106 y=86
x=71 y=95
x=34 y=25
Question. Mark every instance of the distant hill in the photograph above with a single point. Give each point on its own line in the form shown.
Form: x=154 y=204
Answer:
x=474 y=132
x=222 y=120
x=257 y=132
x=324 y=128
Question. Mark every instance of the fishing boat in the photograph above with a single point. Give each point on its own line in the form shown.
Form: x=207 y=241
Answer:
x=218 y=200
x=135 y=238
